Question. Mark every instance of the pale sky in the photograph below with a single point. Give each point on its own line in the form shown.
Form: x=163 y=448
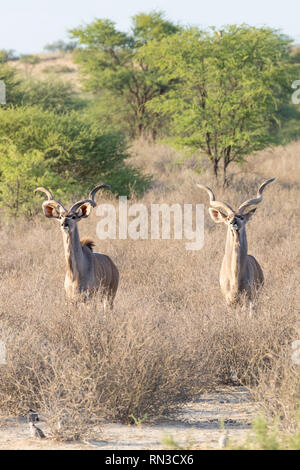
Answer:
x=28 y=25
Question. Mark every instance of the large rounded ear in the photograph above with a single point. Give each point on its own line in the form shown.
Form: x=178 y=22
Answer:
x=84 y=210
x=216 y=215
x=249 y=215
x=51 y=210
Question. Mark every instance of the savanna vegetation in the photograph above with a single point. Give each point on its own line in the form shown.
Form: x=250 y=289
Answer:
x=170 y=336
x=158 y=109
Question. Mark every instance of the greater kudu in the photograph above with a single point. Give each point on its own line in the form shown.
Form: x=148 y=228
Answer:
x=86 y=271
x=240 y=273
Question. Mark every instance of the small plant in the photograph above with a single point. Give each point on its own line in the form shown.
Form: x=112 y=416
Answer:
x=138 y=421
x=169 y=441
x=268 y=436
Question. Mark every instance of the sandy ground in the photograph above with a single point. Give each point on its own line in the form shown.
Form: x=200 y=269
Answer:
x=196 y=426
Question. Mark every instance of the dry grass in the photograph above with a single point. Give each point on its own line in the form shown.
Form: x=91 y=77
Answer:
x=170 y=335
x=59 y=64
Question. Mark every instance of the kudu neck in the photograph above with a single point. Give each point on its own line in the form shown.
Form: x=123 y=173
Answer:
x=237 y=241
x=73 y=252
x=236 y=252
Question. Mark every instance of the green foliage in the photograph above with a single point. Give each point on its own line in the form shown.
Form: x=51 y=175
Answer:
x=67 y=152
x=169 y=442
x=227 y=88
x=268 y=436
x=6 y=55
x=3 y=56
x=30 y=59
x=153 y=25
x=138 y=421
x=51 y=94
x=13 y=84
x=295 y=55
x=109 y=61
x=110 y=111
x=20 y=173
x=287 y=126
x=61 y=46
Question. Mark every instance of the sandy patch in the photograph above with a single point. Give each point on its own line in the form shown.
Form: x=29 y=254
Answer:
x=196 y=426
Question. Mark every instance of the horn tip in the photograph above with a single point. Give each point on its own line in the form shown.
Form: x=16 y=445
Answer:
x=38 y=189
x=270 y=180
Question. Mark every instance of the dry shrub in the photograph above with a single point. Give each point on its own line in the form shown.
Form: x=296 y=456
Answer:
x=278 y=389
x=81 y=364
x=170 y=335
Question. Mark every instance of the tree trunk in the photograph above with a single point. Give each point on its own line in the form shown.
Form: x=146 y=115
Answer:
x=226 y=163
x=225 y=182
x=216 y=168
x=154 y=134
x=140 y=129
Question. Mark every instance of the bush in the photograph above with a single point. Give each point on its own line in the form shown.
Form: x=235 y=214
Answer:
x=61 y=46
x=6 y=55
x=267 y=435
x=289 y=128
x=76 y=154
x=20 y=174
x=51 y=94
x=13 y=84
x=80 y=365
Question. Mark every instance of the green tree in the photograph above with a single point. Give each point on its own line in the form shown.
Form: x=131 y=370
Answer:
x=20 y=173
x=6 y=55
x=149 y=26
x=109 y=61
x=51 y=94
x=61 y=46
x=13 y=84
x=229 y=85
x=69 y=152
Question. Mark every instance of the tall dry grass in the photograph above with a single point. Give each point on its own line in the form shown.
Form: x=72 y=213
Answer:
x=170 y=335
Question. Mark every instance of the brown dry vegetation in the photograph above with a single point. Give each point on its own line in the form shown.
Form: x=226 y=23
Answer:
x=170 y=335
x=57 y=64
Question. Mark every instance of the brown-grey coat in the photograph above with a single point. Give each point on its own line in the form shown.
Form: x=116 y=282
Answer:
x=87 y=271
x=240 y=273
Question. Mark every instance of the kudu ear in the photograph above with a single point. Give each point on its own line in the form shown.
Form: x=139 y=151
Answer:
x=84 y=210
x=248 y=216
x=51 y=210
x=216 y=215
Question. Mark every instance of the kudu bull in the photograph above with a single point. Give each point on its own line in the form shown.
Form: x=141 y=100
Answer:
x=87 y=272
x=240 y=273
